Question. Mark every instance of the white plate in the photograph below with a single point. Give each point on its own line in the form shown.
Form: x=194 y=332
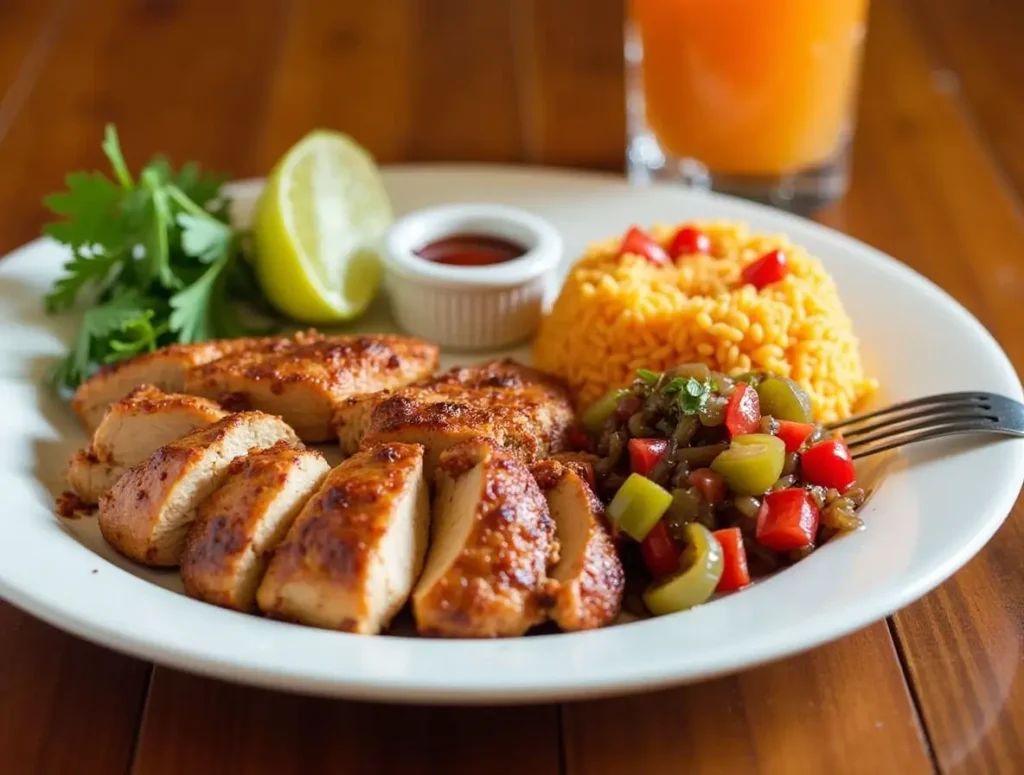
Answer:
x=926 y=520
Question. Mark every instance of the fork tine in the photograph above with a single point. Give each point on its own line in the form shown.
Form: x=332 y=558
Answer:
x=932 y=414
x=898 y=440
x=924 y=425
x=954 y=400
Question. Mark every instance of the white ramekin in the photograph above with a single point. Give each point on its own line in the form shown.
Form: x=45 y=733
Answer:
x=470 y=307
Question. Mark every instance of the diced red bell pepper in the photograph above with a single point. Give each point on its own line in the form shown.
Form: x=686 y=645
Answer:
x=661 y=554
x=828 y=464
x=644 y=454
x=743 y=412
x=794 y=434
x=689 y=241
x=735 y=574
x=787 y=520
x=768 y=269
x=710 y=485
x=638 y=242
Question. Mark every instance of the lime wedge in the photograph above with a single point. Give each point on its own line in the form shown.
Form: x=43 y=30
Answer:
x=318 y=228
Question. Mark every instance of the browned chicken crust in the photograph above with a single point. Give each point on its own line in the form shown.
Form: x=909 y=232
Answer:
x=131 y=430
x=238 y=526
x=164 y=369
x=353 y=554
x=580 y=463
x=303 y=379
x=522 y=410
x=147 y=513
x=492 y=542
x=589 y=577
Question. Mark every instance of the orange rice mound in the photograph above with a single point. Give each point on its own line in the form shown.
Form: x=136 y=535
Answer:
x=615 y=315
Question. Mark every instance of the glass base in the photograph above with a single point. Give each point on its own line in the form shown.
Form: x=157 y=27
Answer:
x=801 y=192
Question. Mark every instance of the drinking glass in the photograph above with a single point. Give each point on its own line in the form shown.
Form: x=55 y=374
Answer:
x=750 y=97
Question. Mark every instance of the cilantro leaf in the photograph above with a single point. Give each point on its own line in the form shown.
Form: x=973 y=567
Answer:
x=202 y=188
x=204 y=237
x=112 y=149
x=80 y=271
x=156 y=241
x=190 y=307
x=693 y=395
x=159 y=254
x=98 y=323
x=648 y=376
x=90 y=205
x=674 y=385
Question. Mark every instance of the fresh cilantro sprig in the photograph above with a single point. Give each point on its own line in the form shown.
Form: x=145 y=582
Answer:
x=650 y=377
x=153 y=258
x=691 y=394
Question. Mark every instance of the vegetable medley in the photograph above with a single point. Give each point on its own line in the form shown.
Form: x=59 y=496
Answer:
x=718 y=480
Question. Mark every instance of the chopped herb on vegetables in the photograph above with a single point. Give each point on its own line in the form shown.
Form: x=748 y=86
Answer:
x=717 y=479
x=648 y=376
x=154 y=259
x=693 y=395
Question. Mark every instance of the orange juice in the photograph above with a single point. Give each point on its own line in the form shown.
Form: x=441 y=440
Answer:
x=750 y=87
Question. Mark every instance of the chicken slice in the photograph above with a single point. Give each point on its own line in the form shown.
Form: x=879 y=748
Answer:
x=238 y=526
x=352 y=556
x=492 y=541
x=589 y=574
x=164 y=369
x=147 y=513
x=581 y=463
x=133 y=429
x=522 y=410
x=503 y=373
x=306 y=380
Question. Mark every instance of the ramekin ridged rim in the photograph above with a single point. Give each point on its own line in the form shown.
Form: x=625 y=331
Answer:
x=542 y=241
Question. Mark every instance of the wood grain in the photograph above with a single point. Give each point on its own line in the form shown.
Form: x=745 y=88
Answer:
x=65 y=705
x=234 y=83
x=160 y=71
x=195 y=725
x=373 y=71
x=976 y=45
x=926 y=190
x=842 y=708
x=571 y=86
x=29 y=30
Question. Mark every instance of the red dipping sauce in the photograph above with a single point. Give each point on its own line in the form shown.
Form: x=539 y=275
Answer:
x=471 y=250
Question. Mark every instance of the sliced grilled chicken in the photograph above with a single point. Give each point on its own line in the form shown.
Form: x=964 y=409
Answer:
x=581 y=463
x=522 y=410
x=305 y=380
x=164 y=369
x=147 y=513
x=353 y=415
x=589 y=575
x=352 y=556
x=133 y=429
x=492 y=541
x=246 y=517
x=88 y=477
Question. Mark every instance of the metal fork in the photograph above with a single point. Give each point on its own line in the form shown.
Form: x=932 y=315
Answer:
x=932 y=417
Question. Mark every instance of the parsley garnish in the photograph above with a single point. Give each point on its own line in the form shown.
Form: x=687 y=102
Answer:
x=155 y=254
x=691 y=394
x=648 y=376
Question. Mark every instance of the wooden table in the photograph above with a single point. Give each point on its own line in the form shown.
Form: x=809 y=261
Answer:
x=938 y=182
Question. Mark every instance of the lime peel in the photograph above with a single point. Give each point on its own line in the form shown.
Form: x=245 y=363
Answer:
x=318 y=229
